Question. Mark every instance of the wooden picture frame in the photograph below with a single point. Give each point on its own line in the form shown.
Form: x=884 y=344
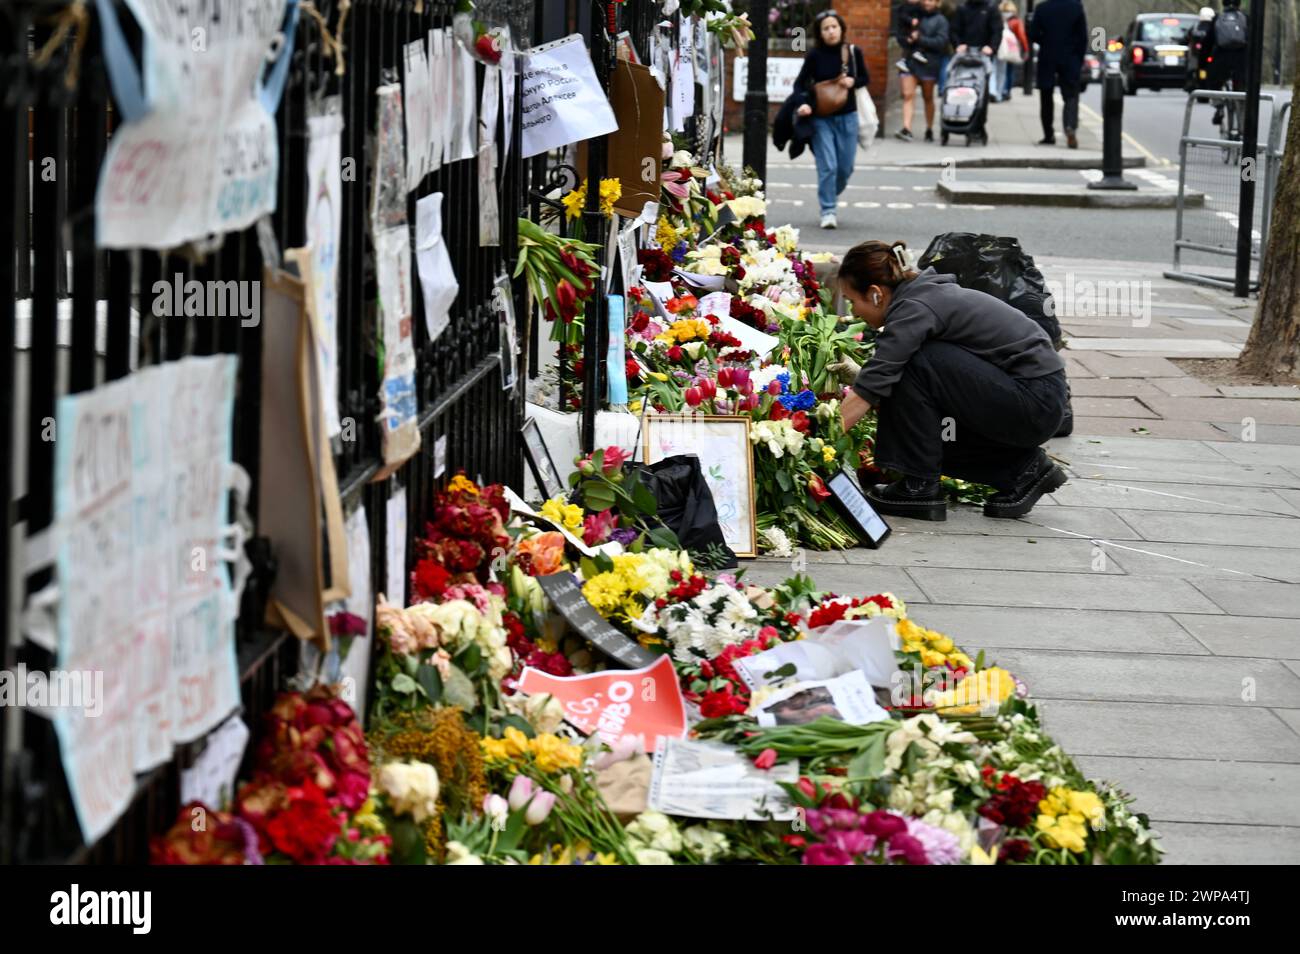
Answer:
x=721 y=442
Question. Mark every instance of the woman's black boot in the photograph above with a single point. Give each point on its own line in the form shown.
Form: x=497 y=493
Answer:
x=917 y=497
x=1039 y=477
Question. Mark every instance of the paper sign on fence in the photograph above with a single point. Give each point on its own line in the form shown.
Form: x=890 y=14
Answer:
x=563 y=102
x=646 y=703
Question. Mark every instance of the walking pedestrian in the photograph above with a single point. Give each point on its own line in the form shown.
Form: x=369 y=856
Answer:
x=922 y=32
x=979 y=29
x=1060 y=28
x=831 y=71
x=1011 y=21
x=962 y=384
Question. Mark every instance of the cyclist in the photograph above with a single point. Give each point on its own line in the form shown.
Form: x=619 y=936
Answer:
x=1226 y=51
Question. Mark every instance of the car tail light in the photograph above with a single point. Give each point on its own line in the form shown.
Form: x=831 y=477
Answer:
x=1139 y=55
x=1171 y=21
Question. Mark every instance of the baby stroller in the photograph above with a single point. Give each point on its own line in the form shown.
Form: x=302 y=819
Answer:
x=965 y=100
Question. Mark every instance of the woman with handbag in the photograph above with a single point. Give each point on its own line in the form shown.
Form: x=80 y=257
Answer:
x=1011 y=55
x=831 y=72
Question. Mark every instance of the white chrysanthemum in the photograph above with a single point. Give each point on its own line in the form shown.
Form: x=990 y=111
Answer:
x=777 y=542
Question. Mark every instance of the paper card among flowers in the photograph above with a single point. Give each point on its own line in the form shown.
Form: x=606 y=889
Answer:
x=726 y=458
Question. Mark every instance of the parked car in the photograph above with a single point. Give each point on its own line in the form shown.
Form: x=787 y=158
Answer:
x=1155 y=51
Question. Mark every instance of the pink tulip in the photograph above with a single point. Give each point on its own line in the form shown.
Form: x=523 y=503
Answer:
x=693 y=397
x=539 y=808
x=740 y=378
x=496 y=808
x=521 y=790
x=766 y=759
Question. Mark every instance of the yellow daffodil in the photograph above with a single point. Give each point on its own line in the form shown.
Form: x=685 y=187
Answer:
x=611 y=190
x=574 y=202
x=553 y=754
x=978 y=856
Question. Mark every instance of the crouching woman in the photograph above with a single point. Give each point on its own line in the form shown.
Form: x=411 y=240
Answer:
x=962 y=383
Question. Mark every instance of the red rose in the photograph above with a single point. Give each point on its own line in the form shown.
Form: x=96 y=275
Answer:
x=800 y=421
x=714 y=705
x=675 y=353
x=428 y=581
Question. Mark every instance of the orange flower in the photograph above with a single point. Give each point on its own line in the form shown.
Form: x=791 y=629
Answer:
x=546 y=551
x=682 y=303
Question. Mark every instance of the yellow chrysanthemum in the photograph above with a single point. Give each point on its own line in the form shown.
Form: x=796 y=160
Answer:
x=1065 y=816
x=689 y=329
x=828 y=454
x=665 y=234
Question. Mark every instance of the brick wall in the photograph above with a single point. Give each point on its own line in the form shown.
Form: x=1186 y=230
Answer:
x=868 y=22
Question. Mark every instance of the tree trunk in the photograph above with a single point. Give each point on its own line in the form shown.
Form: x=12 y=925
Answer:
x=1273 y=348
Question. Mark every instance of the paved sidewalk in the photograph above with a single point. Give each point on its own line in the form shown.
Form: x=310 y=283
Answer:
x=1152 y=604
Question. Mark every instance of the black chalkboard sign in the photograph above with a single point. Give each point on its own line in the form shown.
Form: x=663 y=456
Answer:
x=563 y=590
x=871 y=527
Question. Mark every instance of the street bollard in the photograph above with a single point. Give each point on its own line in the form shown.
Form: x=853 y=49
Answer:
x=1112 y=115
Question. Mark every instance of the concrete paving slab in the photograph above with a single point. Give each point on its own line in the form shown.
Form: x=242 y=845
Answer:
x=1088 y=447
x=1100 y=631
x=1122 y=407
x=1062 y=590
x=1206 y=473
x=1166 y=347
x=1066 y=521
x=1150 y=366
x=1224 y=409
x=1261 y=391
x=1291 y=717
x=1258 y=453
x=1227 y=529
x=1112 y=388
x=1190 y=560
x=812 y=556
x=1201 y=844
x=1184 y=498
x=1199 y=790
x=987 y=552
x=1150 y=730
x=1266 y=637
x=847 y=580
x=1252 y=598
x=1280 y=434
x=1124 y=426
x=1184 y=387
x=1137 y=677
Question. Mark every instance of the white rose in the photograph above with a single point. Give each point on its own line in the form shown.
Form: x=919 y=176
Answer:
x=651 y=856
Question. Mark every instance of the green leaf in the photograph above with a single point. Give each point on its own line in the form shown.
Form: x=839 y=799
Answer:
x=471 y=659
x=597 y=495
x=783 y=480
x=870 y=762
x=458 y=690
x=430 y=681
x=663 y=538
x=589 y=568
x=404 y=684
x=645 y=499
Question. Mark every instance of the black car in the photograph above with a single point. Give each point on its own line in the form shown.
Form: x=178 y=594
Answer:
x=1155 y=51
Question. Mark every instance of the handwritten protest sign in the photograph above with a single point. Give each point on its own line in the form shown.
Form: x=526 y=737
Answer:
x=646 y=703
x=562 y=101
x=562 y=589
x=140 y=503
x=196 y=151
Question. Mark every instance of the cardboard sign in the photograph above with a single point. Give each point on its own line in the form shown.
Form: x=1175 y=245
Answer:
x=871 y=527
x=196 y=152
x=563 y=591
x=646 y=703
x=563 y=101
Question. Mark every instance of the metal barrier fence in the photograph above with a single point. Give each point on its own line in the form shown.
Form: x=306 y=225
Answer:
x=1212 y=166
x=86 y=321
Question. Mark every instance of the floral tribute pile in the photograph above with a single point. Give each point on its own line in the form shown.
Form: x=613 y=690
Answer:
x=713 y=229
x=459 y=765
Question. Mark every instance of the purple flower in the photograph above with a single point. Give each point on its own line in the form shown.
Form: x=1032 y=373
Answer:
x=803 y=401
x=885 y=824
x=942 y=847
x=624 y=535
x=679 y=253
x=818 y=823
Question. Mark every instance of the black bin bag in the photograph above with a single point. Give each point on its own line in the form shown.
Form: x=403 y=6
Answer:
x=997 y=266
x=686 y=508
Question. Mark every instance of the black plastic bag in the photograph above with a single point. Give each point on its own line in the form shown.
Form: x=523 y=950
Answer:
x=998 y=266
x=686 y=508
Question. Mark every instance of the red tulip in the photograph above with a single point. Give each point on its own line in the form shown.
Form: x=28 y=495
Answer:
x=675 y=353
x=766 y=759
x=778 y=412
x=708 y=389
x=694 y=397
x=816 y=489
x=774 y=387
x=724 y=377
x=741 y=378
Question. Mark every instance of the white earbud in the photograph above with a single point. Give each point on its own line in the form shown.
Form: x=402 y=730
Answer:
x=875 y=298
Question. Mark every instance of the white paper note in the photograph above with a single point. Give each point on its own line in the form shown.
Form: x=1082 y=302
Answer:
x=710 y=780
x=211 y=779
x=563 y=102
x=438 y=283
x=395 y=545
